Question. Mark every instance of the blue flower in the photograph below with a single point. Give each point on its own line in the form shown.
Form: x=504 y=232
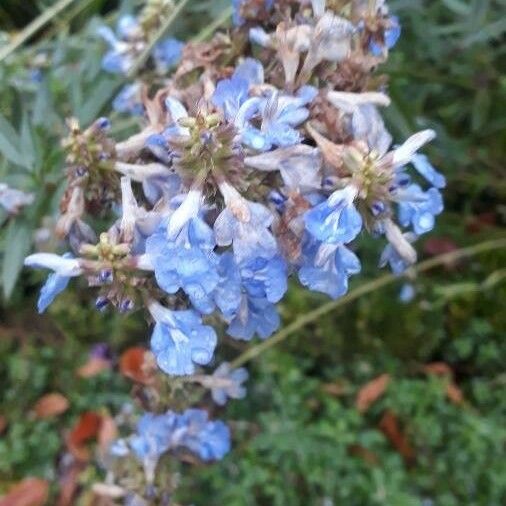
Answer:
x=210 y=440
x=153 y=437
x=54 y=285
x=335 y=220
x=128 y=100
x=158 y=434
x=418 y=208
x=245 y=225
x=226 y=383
x=227 y=294
x=265 y=278
x=425 y=168
x=167 y=54
x=237 y=5
x=391 y=36
x=390 y=255
x=407 y=293
x=120 y=58
x=326 y=268
x=64 y=267
x=280 y=115
x=180 y=340
x=254 y=316
x=230 y=94
x=186 y=262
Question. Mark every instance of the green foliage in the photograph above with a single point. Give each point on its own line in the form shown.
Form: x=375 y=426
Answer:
x=295 y=443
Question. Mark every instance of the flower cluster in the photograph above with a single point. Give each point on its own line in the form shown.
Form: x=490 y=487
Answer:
x=172 y=432
x=263 y=156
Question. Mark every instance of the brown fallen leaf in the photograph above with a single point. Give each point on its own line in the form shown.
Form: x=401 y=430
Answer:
x=134 y=364
x=363 y=453
x=3 y=424
x=371 y=392
x=336 y=389
x=94 y=366
x=389 y=425
x=50 y=405
x=28 y=492
x=454 y=393
x=107 y=433
x=438 y=369
x=86 y=429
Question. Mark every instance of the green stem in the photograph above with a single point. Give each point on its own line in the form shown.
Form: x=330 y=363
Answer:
x=217 y=23
x=34 y=27
x=364 y=289
x=158 y=35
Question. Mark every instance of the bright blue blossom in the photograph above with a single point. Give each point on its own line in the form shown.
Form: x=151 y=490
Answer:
x=237 y=4
x=167 y=54
x=210 y=440
x=418 y=208
x=245 y=225
x=226 y=383
x=407 y=293
x=227 y=294
x=398 y=263
x=265 y=278
x=128 y=100
x=120 y=57
x=335 y=220
x=54 y=285
x=158 y=434
x=154 y=436
x=255 y=316
x=326 y=268
x=64 y=267
x=180 y=340
x=186 y=262
x=279 y=117
x=426 y=169
x=391 y=36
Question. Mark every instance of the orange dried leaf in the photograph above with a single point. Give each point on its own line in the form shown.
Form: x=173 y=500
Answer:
x=107 y=433
x=86 y=428
x=454 y=393
x=438 y=369
x=336 y=389
x=389 y=425
x=50 y=405
x=3 y=424
x=371 y=392
x=94 y=366
x=28 y=492
x=133 y=365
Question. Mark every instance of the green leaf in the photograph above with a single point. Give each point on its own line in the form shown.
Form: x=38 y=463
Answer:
x=9 y=142
x=17 y=244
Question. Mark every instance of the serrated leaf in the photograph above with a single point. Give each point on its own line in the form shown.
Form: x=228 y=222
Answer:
x=17 y=244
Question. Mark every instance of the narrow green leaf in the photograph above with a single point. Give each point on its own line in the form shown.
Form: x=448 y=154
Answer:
x=17 y=244
x=9 y=142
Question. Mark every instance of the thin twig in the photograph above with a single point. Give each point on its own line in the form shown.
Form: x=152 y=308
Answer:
x=154 y=41
x=364 y=289
x=34 y=27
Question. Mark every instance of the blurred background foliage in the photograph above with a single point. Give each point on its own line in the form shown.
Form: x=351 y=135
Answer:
x=435 y=431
